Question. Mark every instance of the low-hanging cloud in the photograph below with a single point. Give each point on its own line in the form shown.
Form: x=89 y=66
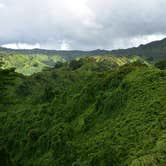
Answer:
x=81 y=24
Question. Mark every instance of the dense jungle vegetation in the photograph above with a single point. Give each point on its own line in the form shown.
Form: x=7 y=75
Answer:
x=93 y=111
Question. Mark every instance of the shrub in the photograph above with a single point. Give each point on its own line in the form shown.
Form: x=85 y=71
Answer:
x=161 y=64
x=75 y=64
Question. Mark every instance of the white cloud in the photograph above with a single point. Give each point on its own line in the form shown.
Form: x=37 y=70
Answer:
x=2 y=5
x=21 y=46
x=136 y=41
x=81 y=10
x=87 y=24
x=146 y=39
x=65 y=45
x=60 y=45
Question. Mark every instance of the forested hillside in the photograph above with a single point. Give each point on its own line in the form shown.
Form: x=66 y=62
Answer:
x=154 y=51
x=89 y=112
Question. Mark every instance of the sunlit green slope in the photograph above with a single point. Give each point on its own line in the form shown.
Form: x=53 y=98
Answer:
x=34 y=63
x=29 y=64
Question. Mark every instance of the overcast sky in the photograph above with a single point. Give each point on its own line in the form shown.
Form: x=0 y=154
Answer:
x=81 y=24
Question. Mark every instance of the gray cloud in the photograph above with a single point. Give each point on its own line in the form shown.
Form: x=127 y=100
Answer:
x=81 y=24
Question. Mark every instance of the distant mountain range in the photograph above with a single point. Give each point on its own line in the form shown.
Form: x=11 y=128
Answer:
x=68 y=55
x=153 y=51
x=28 y=62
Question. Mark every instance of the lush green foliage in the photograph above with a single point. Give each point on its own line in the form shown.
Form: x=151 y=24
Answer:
x=87 y=112
x=161 y=64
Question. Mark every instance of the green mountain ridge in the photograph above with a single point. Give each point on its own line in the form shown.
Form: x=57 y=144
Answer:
x=87 y=112
x=34 y=63
x=68 y=55
x=154 y=51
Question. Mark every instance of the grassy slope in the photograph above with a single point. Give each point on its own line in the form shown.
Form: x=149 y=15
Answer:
x=29 y=64
x=91 y=115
